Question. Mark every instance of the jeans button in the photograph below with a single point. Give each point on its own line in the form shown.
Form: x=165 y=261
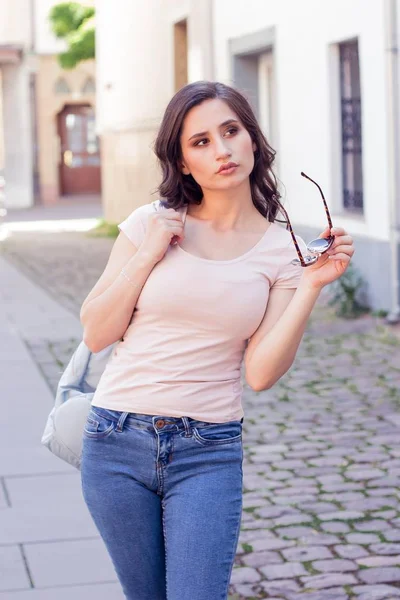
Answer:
x=160 y=423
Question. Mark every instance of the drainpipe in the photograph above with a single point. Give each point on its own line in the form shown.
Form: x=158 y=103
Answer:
x=393 y=153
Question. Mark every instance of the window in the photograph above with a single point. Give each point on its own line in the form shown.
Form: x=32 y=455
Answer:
x=350 y=94
x=180 y=54
x=266 y=96
x=89 y=87
x=61 y=86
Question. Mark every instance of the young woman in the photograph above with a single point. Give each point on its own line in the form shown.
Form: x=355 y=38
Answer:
x=195 y=287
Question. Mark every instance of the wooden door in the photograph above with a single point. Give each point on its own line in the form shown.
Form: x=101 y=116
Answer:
x=80 y=154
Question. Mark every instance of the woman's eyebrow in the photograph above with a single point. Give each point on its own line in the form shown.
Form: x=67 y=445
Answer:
x=224 y=124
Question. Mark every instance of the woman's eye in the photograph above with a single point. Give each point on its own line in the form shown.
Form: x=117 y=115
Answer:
x=231 y=130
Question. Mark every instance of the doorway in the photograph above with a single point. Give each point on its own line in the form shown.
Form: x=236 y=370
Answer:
x=79 y=166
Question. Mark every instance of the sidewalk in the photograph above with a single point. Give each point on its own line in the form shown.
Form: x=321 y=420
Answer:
x=49 y=548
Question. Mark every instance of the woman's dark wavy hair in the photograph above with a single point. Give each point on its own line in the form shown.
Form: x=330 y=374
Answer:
x=177 y=189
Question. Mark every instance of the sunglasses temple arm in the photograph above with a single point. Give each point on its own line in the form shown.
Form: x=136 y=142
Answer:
x=296 y=245
x=323 y=199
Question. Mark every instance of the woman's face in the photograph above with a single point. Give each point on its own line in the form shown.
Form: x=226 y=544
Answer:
x=212 y=135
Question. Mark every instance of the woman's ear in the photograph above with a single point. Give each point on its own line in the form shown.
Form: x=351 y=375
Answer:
x=254 y=147
x=184 y=169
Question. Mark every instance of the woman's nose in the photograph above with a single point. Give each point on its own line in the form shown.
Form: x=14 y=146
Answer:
x=222 y=151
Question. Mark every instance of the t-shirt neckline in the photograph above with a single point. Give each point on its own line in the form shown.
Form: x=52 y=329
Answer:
x=223 y=262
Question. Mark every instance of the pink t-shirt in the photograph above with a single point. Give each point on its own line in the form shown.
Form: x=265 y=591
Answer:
x=183 y=350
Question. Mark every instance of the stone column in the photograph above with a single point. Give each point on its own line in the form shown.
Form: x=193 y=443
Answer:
x=17 y=119
x=134 y=83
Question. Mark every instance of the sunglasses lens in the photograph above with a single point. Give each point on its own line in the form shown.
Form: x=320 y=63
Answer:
x=309 y=260
x=320 y=245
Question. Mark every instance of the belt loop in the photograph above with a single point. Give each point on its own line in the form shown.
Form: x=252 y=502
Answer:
x=188 y=427
x=121 y=421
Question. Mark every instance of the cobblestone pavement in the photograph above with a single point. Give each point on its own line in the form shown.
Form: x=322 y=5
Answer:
x=321 y=517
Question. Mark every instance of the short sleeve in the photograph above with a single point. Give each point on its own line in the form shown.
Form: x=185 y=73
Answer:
x=288 y=275
x=134 y=226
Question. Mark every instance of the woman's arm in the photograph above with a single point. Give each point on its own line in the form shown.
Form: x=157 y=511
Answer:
x=272 y=349
x=107 y=310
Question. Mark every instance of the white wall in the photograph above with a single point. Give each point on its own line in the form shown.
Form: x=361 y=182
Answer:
x=45 y=40
x=133 y=64
x=135 y=58
x=15 y=22
x=305 y=33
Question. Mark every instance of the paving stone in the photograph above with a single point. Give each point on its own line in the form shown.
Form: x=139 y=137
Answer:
x=376 y=592
x=319 y=539
x=318 y=507
x=261 y=559
x=328 y=580
x=302 y=491
x=242 y=591
x=13 y=574
x=372 y=525
x=294 y=532
x=385 y=548
x=244 y=575
x=327 y=461
x=364 y=474
x=304 y=554
x=280 y=586
x=333 y=593
x=271 y=544
x=289 y=464
x=350 y=551
x=343 y=515
x=279 y=475
x=383 y=482
x=289 y=569
x=380 y=575
x=342 y=487
x=385 y=514
x=334 y=565
x=379 y=561
x=69 y=562
x=103 y=591
x=371 y=503
x=393 y=535
x=344 y=497
x=362 y=538
x=335 y=527
x=292 y=519
x=271 y=512
x=293 y=499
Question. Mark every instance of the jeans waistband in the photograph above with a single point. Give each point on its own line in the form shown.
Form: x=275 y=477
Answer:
x=151 y=422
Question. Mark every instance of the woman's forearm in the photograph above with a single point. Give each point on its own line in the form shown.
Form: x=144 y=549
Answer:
x=106 y=317
x=275 y=353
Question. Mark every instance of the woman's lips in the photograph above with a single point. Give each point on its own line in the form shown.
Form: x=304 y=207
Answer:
x=228 y=171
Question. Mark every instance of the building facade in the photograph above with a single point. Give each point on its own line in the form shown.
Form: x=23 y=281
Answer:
x=48 y=141
x=321 y=77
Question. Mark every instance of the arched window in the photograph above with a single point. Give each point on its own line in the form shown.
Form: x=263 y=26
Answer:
x=61 y=86
x=89 y=87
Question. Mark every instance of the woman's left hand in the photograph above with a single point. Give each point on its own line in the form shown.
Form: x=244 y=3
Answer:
x=332 y=264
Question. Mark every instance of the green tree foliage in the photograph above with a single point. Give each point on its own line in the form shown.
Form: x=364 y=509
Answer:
x=75 y=24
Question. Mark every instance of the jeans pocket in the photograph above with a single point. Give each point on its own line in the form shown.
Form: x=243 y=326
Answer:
x=98 y=426
x=219 y=433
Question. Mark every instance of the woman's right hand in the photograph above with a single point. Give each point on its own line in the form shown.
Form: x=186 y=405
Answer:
x=163 y=228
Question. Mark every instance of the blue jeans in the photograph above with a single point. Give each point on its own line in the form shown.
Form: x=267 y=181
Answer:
x=165 y=494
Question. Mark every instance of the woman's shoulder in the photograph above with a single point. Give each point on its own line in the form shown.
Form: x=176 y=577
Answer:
x=279 y=242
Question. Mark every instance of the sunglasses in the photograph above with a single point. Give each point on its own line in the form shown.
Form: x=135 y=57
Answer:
x=315 y=247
